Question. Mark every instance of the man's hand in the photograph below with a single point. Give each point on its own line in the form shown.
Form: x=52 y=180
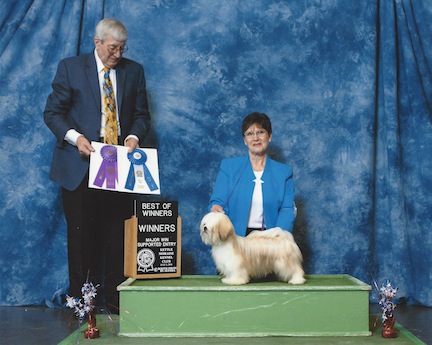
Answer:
x=84 y=146
x=132 y=144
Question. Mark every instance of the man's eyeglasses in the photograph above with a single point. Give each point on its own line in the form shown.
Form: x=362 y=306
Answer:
x=113 y=49
x=260 y=133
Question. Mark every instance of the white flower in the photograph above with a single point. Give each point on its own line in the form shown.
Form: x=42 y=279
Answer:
x=70 y=301
x=89 y=294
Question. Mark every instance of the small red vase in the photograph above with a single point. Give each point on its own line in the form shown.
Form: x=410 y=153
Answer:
x=92 y=332
x=389 y=331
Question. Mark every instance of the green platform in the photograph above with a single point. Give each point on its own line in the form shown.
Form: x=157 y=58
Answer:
x=201 y=306
x=108 y=326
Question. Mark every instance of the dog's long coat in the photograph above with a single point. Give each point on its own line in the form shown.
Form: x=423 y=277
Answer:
x=239 y=259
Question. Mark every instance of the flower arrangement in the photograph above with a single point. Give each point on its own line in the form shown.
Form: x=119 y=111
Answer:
x=85 y=307
x=386 y=295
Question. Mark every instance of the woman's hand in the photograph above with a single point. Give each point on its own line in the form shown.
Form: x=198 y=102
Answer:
x=217 y=208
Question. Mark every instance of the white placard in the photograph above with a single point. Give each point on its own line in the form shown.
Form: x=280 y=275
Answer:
x=112 y=168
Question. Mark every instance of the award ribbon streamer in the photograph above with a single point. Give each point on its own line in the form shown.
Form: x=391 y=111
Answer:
x=138 y=158
x=108 y=169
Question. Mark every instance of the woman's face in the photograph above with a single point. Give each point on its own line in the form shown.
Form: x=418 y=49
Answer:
x=257 y=140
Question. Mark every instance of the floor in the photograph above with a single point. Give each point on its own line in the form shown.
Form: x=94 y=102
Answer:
x=40 y=325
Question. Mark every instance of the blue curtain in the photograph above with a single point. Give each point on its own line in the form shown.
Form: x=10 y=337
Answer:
x=402 y=181
x=347 y=85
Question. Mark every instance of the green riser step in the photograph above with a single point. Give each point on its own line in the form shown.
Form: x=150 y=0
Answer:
x=201 y=306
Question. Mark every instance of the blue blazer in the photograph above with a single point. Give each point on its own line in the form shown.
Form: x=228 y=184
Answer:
x=234 y=187
x=75 y=102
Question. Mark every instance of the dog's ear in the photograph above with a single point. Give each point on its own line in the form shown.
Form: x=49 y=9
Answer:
x=225 y=228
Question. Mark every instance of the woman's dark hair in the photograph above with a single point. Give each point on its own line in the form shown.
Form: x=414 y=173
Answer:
x=260 y=119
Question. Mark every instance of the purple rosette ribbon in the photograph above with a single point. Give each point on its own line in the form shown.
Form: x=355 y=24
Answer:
x=108 y=170
x=139 y=158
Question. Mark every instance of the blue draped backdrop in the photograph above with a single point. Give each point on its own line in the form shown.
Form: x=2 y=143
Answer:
x=347 y=85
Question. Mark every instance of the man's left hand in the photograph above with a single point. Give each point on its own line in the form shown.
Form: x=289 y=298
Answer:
x=132 y=144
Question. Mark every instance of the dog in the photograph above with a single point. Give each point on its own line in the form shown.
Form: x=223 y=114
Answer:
x=238 y=259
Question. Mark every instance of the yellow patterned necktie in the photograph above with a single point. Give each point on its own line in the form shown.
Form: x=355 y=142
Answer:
x=111 y=128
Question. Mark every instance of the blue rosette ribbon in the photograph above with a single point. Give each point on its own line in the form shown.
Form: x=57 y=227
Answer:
x=108 y=170
x=139 y=158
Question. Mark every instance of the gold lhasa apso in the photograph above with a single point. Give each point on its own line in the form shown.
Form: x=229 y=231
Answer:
x=238 y=259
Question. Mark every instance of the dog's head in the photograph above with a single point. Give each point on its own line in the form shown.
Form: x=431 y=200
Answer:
x=216 y=228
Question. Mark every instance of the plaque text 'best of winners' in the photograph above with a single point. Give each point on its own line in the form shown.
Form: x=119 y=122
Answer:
x=153 y=241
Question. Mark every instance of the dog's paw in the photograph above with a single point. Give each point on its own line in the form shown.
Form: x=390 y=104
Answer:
x=297 y=279
x=234 y=281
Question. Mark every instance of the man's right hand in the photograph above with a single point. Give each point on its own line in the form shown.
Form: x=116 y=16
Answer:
x=84 y=146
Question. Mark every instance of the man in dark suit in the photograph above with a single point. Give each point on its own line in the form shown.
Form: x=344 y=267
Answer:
x=80 y=110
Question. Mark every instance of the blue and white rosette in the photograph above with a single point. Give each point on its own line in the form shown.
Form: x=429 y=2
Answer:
x=138 y=171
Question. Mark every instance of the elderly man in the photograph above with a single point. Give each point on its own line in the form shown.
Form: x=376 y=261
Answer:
x=99 y=96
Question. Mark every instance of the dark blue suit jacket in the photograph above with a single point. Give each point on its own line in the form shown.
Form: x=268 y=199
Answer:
x=76 y=103
x=234 y=187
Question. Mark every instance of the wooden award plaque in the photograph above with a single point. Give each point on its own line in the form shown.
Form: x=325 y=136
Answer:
x=153 y=241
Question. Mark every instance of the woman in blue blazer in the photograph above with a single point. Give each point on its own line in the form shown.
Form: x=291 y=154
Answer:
x=255 y=191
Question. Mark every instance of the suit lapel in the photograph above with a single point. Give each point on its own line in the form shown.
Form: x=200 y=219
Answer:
x=92 y=76
x=121 y=77
x=267 y=169
x=245 y=190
